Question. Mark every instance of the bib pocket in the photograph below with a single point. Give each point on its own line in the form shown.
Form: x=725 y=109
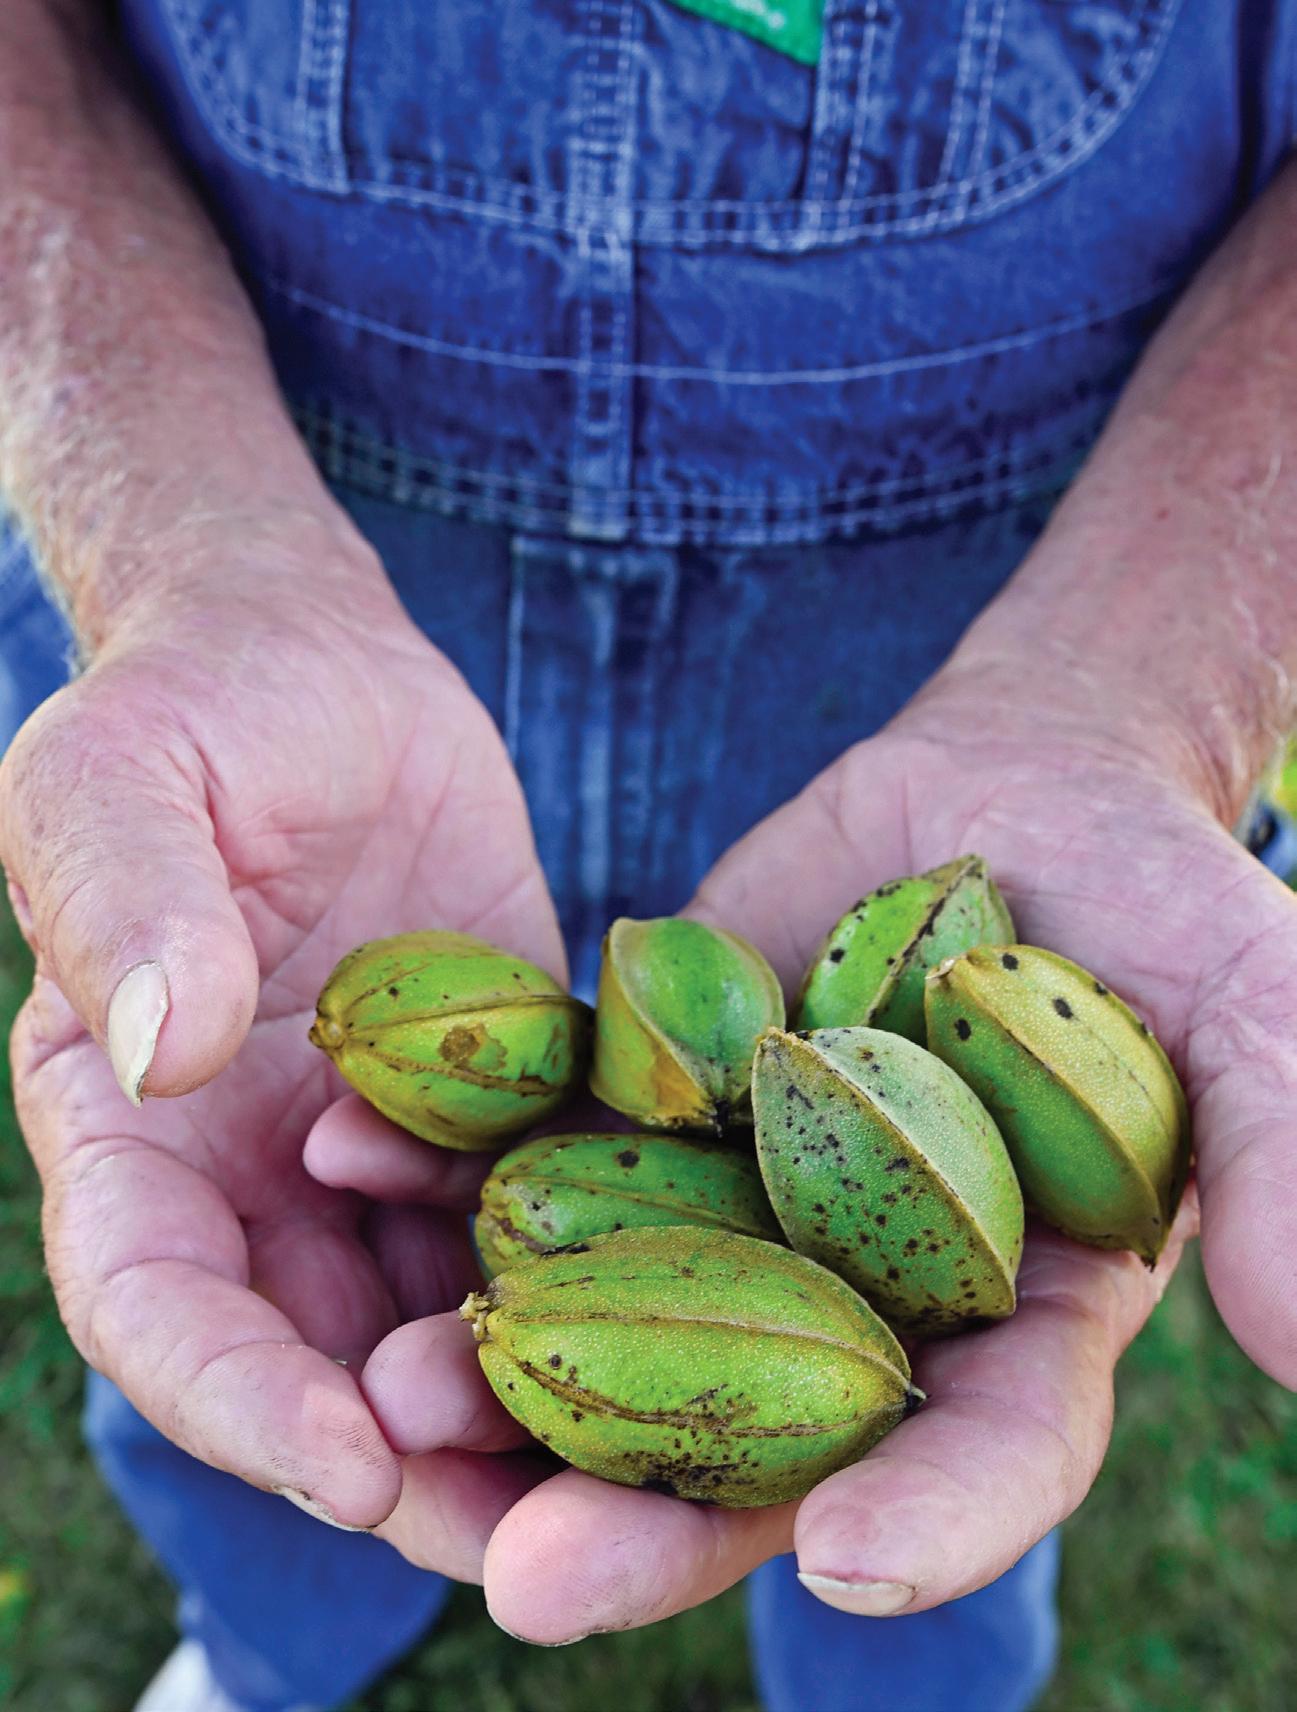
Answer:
x=269 y=79
x=919 y=115
x=929 y=116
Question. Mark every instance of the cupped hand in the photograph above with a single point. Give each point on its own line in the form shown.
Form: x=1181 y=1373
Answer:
x=1107 y=853
x=239 y=790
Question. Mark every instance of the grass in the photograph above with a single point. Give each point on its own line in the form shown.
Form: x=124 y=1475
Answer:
x=1178 y=1576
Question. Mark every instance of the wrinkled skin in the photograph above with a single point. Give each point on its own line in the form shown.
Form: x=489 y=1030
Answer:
x=338 y=771
x=321 y=757
x=348 y=785
x=1119 y=863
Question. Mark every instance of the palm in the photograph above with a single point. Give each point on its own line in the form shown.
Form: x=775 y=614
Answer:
x=1105 y=861
x=1120 y=869
x=339 y=815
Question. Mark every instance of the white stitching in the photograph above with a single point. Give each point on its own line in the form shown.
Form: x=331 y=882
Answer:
x=605 y=88
x=989 y=68
x=753 y=220
x=833 y=70
x=959 y=95
x=683 y=518
x=864 y=95
x=332 y=438
x=301 y=100
x=332 y=75
x=727 y=377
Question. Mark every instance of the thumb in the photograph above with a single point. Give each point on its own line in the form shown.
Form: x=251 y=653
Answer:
x=119 y=887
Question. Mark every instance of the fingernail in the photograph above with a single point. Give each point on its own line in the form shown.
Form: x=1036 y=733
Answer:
x=136 y=1013
x=864 y=1598
x=313 y=1507
x=528 y=1642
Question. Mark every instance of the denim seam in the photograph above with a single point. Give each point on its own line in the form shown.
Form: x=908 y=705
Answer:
x=964 y=74
x=406 y=477
x=1004 y=343
x=321 y=66
x=668 y=221
x=864 y=96
x=602 y=163
x=660 y=523
x=305 y=79
x=832 y=71
x=321 y=428
x=995 y=33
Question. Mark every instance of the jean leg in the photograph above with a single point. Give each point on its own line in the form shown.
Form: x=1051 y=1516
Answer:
x=35 y=643
x=992 y=1651
x=290 y=1611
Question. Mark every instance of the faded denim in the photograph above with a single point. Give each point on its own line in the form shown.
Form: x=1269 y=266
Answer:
x=696 y=400
x=606 y=269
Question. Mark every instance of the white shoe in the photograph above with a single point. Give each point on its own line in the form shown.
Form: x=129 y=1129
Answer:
x=186 y=1684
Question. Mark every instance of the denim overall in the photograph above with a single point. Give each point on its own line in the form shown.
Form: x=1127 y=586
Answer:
x=696 y=399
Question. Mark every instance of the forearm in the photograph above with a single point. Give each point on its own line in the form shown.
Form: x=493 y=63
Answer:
x=1162 y=599
x=137 y=404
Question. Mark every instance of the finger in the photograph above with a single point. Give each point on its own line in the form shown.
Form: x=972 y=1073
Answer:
x=351 y=1146
x=104 y=830
x=425 y=1256
x=1241 y=1063
x=426 y=1389
x=327 y=1282
x=788 y=880
x=451 y=1502
x=578 y=1557
x=1012 y=1436
x=160 y=1304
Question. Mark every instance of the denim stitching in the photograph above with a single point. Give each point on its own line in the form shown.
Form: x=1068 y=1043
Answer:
x=669 y=221
x=736 y=377
x=337 y=444
x=320 y=66
x=322 y=430
x=231 y=119
x=834 y=69
x=623 y=184
x=242 y=138
x=301 y=101
x=991 y=65
x=667 y=519
x=332 y=76
x=584 y=177
x=602 y=121
x=1137 y=65
x=864 y=95
x=964 y=61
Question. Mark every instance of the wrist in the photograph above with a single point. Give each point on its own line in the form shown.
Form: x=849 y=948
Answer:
x=268 y=570
x=1017 y=687
x=1151 y=624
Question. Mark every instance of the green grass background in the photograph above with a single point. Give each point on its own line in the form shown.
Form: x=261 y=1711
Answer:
x=1178 y=1587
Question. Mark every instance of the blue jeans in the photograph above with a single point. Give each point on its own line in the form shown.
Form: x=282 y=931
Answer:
x=576 y=652
x=593 y=269
x=639 y=690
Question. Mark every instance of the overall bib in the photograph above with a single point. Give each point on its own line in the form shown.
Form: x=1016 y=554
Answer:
x=699 y=378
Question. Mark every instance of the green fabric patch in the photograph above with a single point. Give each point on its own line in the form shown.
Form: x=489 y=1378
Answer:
x=791 y=27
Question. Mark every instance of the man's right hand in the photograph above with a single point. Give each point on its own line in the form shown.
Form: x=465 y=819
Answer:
x=245 y=784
